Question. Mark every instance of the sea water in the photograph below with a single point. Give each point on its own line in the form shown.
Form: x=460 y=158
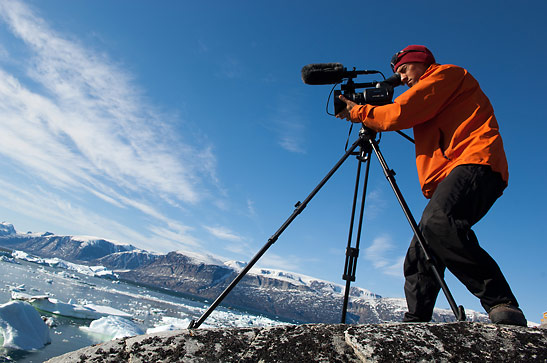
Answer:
x=149 y=308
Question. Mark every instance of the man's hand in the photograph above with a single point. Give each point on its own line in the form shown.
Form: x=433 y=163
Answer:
x=346 y=113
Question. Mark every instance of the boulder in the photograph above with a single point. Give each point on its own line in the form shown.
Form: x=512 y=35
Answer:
x=415 y=342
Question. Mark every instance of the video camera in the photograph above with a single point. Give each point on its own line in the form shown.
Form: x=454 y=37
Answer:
x=374 y=93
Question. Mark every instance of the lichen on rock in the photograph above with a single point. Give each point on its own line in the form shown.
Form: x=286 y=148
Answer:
x=413 y=342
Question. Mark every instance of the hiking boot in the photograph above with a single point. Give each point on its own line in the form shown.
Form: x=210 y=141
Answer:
x=507 y=314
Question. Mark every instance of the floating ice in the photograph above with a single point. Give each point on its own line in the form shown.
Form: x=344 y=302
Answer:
x=220 y=318
x=113 y=327
x=54 y=306
x=4 y=258
x=99 y=271
x=169 y=324
x=168 y=327
x=22 y=327
x=26 y=257
x=17 y=288
x=217 y=319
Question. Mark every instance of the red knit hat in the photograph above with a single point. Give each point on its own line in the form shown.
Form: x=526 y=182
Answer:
x=412 y=53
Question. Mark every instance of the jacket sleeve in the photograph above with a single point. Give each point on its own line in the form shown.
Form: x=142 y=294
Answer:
x=437 y=87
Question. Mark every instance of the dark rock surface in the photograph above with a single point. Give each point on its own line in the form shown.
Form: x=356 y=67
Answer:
x=418 y=342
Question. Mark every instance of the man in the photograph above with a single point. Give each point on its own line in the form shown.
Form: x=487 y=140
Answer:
x=462 y=170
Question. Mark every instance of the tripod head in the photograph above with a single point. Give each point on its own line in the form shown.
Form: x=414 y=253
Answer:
x=367 y=132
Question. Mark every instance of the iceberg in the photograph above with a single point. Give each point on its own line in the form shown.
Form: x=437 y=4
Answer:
x=113 y=327
x=169 y=324
x=99 y=271
x=22 y=327
x=50 y=305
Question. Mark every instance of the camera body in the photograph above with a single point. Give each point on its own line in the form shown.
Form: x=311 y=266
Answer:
x=380 y=95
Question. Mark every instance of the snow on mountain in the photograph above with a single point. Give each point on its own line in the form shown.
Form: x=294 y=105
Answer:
x=128 y=259
x=70 y=248
x=202 y=258
x=312 y=282
x=235 y=265
x=293 y=278
x=94 y=241
x=275 y=292
x=94 y=247
x=6 y=229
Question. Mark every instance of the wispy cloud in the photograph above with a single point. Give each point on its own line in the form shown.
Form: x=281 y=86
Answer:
x=379 y=254
x=223 y=233
x=230 y=240
x=395 y=268
x=251 y=208
x=376 y=202
x=288 y=263
x=177 y=235
x=76 y=121
x=54 y=211
x=289 y=126
x=291 y=143
x=89 y=116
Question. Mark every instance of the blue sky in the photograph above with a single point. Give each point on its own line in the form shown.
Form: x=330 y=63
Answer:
x=181 y=125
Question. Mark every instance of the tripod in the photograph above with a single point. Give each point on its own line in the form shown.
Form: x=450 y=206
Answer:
x=367 y=143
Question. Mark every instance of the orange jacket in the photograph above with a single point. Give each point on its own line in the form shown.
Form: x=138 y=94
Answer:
x=453 y=123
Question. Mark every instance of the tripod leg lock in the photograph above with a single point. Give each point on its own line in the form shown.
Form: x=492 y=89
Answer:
x=352 y=252
x=351 y=263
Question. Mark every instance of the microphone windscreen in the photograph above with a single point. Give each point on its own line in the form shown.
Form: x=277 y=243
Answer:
x=323 y=73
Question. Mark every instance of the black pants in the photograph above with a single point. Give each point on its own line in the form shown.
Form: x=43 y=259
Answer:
x=459 y=202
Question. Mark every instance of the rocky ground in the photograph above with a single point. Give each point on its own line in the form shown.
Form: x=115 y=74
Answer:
x=417 y=342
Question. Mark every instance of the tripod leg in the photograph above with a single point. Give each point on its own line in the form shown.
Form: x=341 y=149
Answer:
x=299 y=207
x=458 y=311
x=352 y=253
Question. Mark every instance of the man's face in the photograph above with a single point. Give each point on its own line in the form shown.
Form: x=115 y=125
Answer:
x=411 y=73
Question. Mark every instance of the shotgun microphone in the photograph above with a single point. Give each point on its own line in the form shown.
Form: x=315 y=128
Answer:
x=328 y=73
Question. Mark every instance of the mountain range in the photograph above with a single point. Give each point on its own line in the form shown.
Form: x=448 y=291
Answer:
x=283 y=294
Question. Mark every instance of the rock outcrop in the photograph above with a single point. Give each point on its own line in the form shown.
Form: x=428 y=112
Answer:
x=418 y=342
